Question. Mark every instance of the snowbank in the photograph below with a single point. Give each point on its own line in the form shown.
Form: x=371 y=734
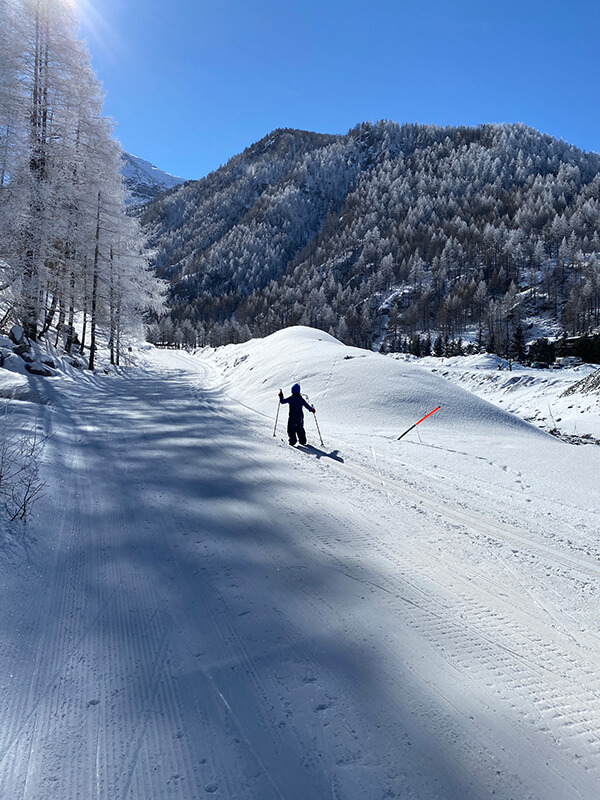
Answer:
x=565 y=401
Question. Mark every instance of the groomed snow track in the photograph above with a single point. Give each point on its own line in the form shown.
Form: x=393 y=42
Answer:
x=201 y=611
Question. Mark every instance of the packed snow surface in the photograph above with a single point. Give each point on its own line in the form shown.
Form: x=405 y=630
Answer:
x=199 y=610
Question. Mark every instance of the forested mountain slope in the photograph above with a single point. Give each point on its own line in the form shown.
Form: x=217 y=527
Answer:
x=443 y=229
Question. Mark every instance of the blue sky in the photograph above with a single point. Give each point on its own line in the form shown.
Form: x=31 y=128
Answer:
x=191 y=83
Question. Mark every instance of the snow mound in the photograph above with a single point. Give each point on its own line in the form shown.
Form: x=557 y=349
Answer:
x=16 y=386
x=353 y=388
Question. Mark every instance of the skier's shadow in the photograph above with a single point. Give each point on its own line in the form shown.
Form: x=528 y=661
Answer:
x=309 y=448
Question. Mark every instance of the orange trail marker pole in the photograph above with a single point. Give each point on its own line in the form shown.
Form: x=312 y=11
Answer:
x=419 y=422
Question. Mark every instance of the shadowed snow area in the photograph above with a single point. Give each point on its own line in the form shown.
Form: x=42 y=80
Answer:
x=199 y=610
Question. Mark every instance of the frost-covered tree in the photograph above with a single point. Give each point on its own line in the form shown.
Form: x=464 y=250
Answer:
x=76 y=258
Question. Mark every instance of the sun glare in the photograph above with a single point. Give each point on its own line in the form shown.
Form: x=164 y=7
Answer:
x=94 y=26
x=85 y=10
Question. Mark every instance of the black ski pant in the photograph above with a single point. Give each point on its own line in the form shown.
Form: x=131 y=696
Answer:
x=295 y=430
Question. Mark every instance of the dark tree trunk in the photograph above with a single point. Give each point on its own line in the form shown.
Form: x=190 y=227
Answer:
x=94 y=299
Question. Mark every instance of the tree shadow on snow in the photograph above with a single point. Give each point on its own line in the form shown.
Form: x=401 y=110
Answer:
x=197 y=625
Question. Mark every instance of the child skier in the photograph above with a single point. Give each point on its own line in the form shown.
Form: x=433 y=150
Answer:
x=296 y=403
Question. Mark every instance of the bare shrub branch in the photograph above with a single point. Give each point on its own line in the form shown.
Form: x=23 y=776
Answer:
x=21 y=451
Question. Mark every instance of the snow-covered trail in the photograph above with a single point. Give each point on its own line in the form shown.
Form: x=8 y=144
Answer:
x=208 y=612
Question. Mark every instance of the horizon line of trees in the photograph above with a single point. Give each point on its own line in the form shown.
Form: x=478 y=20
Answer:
x=542 y=349
x=165 y=333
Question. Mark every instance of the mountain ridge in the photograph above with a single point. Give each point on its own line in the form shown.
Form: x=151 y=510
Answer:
x=443 y=228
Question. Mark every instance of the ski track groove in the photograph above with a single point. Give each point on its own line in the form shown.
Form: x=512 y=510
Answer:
x=142 y=736
x=56 y=650
x=130 y=761
x=264 y=715
x=469 y=519
x=149 y=737
x=22 y=709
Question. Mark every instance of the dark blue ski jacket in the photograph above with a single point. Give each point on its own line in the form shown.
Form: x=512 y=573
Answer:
x=296 y=403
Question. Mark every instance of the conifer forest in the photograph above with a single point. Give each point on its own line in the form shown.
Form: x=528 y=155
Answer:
x=392 y=236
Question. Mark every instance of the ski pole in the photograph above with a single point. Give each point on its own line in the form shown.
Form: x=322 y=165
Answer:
x=318 y=429
x=419 y=422
x=276 y=418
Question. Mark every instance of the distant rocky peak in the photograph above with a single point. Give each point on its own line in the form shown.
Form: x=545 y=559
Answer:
x=145 y=181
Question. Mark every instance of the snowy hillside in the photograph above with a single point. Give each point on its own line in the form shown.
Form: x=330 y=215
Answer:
x=198 y=609
x=366 y=400
x=565 y=401
x=145 y=181
x=485 y=231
